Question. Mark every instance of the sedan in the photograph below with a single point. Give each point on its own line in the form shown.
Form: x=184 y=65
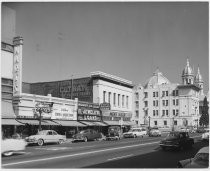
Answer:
x=45 y=136
x=201 y=160
x=86 y=135
x=11 y=146
x=154 y=132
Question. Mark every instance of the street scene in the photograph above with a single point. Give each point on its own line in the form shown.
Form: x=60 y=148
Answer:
x=104 y=85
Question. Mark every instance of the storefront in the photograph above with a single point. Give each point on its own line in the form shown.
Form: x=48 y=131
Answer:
x=90 y=115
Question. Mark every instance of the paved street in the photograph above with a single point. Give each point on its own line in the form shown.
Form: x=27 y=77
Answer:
x=126 y=153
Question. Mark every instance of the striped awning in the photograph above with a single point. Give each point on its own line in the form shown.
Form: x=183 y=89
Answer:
x=101 y=124
x=112 y=123
x=32 y=122
x=69 y=123
x=10 y=121
x=88 y=123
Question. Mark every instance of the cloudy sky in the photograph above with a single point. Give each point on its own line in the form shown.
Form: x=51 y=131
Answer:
x=129 y=40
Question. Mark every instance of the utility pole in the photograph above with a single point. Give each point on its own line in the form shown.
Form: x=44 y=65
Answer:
x=71 y=86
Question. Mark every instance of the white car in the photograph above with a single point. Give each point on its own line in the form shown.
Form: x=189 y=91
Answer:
x=205 y=136
x=154 y=132
x=201 y=160
x=135 y=132
x=46 y=136
x=11 y=146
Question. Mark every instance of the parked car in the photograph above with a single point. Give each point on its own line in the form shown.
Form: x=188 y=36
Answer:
x=135 y=132
x=11 y=146
x=205 y=136
x=114 y=133
x=178 y=140
x=154 y=132
x=184 y=129
x=86 y=135
x=201 y=160
x=45 y=136
x=200 y=130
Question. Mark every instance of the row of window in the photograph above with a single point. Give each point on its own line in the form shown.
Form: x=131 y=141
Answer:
x=165 y=112
x=164 y=94
x=118 y=99
x=155 y=103
x=165 y=123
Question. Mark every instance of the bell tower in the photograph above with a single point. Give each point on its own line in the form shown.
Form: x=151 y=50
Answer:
x=199 y=81
x=187 y=74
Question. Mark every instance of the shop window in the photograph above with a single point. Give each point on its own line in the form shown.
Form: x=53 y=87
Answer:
x=165 y=123
x=104 y=96
x=155 y=123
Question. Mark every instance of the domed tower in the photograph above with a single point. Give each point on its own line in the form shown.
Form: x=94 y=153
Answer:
x=187 y=74
x=199 y=81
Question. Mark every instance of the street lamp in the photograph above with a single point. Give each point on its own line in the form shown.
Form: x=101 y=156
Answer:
x=71 y=86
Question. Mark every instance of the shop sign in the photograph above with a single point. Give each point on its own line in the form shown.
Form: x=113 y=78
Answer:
x=88 y=112
x=65 y=113
x=120 y=114
x=88 y=105
x=43 y=108
x=105 y=106
x=89 y=118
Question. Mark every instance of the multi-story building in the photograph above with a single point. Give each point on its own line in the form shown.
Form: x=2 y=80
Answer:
x=162 y=103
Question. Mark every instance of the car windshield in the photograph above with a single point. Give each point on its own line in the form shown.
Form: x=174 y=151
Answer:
x=173 y=135
x=201 y=157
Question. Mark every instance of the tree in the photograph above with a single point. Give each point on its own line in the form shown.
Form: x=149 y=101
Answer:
x=204 y=119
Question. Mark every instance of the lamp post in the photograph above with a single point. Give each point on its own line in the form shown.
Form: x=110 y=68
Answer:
x=71 y=86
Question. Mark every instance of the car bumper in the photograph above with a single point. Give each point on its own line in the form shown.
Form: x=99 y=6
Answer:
x=169 y=145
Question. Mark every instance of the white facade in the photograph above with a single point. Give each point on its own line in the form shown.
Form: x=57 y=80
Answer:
x=164 y=104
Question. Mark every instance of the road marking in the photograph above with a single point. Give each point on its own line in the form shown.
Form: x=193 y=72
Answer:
x=116 y=158
x=54 y=148
x=78 y=154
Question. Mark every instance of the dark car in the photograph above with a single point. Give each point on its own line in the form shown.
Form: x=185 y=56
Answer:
x=114 y=133
x=86 y=135
x=178 y=140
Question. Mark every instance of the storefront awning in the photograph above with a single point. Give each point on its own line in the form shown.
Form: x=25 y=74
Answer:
x=88 y=123
x=32 y=122
x=128 y=123
x=112 y=122
x=101 y=124
x=12 y=121
x=50 y=122
x=69 y=123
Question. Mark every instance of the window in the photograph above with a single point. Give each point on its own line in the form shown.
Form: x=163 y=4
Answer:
x=137 y=96
x=174 y=111
x=177 y=102
x=145 y=94
x=137 y=104
x=146 y=112
x=166 y=102
x=109 y=97
x=156 y=94
x=127 y=101
x=104 y=96
x=174 y=93
x=167 y=112
x=166 y=93
x=154 y=103
x=155 y=122
x=177 y=112
x=146 y=103
x=163 y=93
x=137 y=113
x=177 y=92
x=153 y=112
x=114 y=99
x=175 y=122
x=153 y=94
x=163 y=112
x=157 y=112
x=163 y=102
x=118 y=99
x=123 y=100
x=174 y=102
x=165 y=122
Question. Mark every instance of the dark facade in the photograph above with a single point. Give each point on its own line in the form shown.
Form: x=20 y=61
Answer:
x=82 y=89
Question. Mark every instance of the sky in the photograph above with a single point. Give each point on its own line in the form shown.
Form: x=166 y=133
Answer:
x=126 y=39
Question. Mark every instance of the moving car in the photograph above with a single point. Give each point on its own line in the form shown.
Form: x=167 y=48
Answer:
x=86 y=135
x=201 y=160
x=205 y=136
x=178 y=140
x=114 y=133
x=154 y=132
x=11 y=146
x=45 y=136
x=135 y=132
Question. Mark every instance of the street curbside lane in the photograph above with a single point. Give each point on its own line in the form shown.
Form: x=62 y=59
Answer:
x=84 y=153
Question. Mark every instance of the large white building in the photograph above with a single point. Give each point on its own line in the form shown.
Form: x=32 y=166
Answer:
x=164 y=104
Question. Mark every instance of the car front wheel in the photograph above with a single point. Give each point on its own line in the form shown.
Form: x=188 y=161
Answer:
x=85 y=139
x=61 y=141
x=40 y=142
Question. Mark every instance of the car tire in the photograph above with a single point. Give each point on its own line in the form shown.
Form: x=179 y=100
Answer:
x=61 y=141
x=40 y=142
x=8 y=153
x=85 y=139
